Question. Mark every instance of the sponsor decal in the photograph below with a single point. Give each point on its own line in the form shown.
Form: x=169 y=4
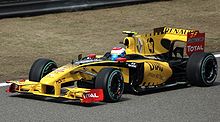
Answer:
x=157 y=76
x=87 y=61
x=150 y=43
x=139 y=45
x=62 y=69
x=133 y=65
x=50 y=75
x=91 y=95
x=155 y=66
x=192 y=39
x=195 y=43
x=177 y=31
x=94 y=95
x=194 y=48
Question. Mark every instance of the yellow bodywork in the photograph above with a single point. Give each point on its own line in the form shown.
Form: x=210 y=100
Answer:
x=62 y=75
x=155 y=72
x=150 y=44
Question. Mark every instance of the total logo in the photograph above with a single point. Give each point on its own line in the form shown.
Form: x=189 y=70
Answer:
x=195 y=48
x=91 y=95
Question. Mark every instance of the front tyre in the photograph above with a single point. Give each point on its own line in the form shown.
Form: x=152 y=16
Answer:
x=40 y=68
x=202 y=69
x=112 y=83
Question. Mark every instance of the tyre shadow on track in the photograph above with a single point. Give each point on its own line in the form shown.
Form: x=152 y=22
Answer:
x=216 y=84
x=63 y=101
x=57 y=100
x=77 y=103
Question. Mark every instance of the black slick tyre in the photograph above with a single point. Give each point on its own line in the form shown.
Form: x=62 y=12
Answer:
x=202 y=69
x=40 y=68
x=112 y=83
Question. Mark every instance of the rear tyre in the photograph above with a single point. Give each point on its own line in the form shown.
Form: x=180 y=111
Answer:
x=112 y=83
x=202 y=69
x=40 y=68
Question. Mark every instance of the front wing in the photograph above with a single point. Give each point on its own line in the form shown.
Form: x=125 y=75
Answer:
x=84 y=95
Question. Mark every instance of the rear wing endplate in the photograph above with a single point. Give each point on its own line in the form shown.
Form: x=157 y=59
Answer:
x=195 y=43
x=195 y=40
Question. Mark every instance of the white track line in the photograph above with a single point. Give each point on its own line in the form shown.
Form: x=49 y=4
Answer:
x=217 y=55
x=4 y=84
x=7 y=84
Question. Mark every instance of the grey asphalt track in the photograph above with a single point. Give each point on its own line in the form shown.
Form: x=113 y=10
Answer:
x=196 y=104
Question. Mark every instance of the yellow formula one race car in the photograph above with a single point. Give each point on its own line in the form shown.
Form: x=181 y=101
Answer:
x=165 y=57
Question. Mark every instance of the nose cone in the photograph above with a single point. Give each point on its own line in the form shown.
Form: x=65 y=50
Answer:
x=57 y=75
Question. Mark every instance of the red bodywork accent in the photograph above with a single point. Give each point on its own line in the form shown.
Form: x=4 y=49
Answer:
x=116 y=48
x=22 y=80
x=94 y=95
x=7 y=81
x=121 y=59
x=195 y=43
x=11 y=88
x=92 y=56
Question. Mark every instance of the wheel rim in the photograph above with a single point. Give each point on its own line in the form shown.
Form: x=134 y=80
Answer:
x=115 y=85
x=209 y=70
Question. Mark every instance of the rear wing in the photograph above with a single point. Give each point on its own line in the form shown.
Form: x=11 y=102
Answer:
x=162 y=39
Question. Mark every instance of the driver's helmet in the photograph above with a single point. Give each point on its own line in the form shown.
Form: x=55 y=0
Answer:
x=117 y=52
